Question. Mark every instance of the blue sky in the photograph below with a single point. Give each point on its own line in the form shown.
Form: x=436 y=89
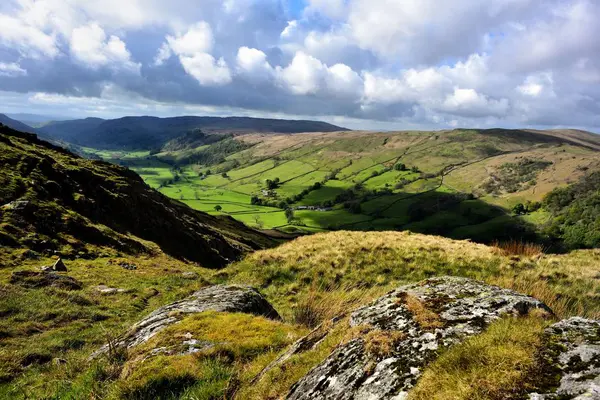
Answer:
x=372 y=64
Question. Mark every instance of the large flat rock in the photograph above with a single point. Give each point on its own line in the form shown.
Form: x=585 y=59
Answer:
x=221 y=298
x=573 y=355
x=417 y=320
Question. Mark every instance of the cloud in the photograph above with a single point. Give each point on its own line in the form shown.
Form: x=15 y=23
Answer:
x=28 y=40
x=198 y=39
x=90 y=46
x=253 y=64
x=206 y=69
x=11 y=70
x=193 y=47
x=403 y=63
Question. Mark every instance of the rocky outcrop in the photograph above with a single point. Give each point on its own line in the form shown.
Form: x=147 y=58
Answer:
x=58 y=266
x=573 y=356
x=416 y=321
x=221 y=298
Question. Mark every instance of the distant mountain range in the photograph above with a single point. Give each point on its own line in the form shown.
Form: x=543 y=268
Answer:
x=153 y=132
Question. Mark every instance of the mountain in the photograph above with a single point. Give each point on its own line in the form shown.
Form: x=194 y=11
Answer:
x=140 y=133
x=55 y=201
x=35 y=120
x=14 y=124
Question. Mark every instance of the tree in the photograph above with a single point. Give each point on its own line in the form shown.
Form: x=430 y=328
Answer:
x=519 y=209
x=272 y=184
x=218 y=208
x=259 y=223
x=289 y=215
x=255 y=200
x=224 y=175
x=415 y=169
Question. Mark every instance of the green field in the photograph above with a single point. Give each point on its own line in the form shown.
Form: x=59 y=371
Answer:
x=423 y=181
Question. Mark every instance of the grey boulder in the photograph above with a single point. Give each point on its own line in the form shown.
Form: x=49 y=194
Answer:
x=221 y=298
x=423 y=318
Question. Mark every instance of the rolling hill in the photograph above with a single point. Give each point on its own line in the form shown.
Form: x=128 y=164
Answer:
x=145 y=133
x=54 y=201
x=154 y=301
x=460 y=183
x=16 y=125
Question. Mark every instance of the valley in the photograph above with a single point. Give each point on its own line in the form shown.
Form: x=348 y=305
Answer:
x=235 y=266
x=461 y=184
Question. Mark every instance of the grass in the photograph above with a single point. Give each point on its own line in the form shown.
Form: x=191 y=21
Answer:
x=309 y=281
x=379 y=261
x=497 y=364
x=520 y=248
x=229 y=344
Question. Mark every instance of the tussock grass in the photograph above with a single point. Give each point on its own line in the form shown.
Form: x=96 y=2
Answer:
x=520 y=248
x=426 y=318
x=317 y=305
x=494 y=365
x=380 y=261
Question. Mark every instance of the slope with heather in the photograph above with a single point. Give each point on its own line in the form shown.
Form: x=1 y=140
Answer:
x=55 y=201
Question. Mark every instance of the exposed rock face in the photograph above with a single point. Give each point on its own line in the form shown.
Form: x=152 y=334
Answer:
x=422 y=318
x=222 y=298
x=36 y=279
x=574 y=350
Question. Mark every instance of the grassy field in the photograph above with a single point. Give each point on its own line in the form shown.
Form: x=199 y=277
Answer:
x=318 y=276
x=436 y=165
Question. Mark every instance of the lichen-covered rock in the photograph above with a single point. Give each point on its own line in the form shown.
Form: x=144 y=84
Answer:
x=422 y=318
x=221 y=298
x=574 y=354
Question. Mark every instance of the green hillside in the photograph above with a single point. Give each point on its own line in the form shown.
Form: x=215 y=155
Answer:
x=54 y=202
x=460 y=184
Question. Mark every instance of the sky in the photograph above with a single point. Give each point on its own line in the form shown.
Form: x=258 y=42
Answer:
x=363 y=64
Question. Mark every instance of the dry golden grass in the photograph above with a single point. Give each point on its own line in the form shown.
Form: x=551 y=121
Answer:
x=380 y=344
x=520 y=248
x=495 y=365
x=318 y=306
x=380 y=261
x=426 y=318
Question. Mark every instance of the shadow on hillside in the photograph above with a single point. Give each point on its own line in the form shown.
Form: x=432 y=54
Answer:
x=454 y=215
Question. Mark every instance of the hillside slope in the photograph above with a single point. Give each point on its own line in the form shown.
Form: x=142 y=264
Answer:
x=212 y=345
x=140 y=133
x=461 y=183
x=56 y=201
x=14 y=124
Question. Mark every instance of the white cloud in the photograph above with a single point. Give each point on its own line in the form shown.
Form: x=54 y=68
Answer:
x=198 y=39
x=206 y=70
x=163 y=54
x=289 y=29
x=304 y=75
x=90 y=46
x=11 y=70
x=308 y=75
x=27 y=39
x=253 y=64
x=537 y=85
x=469 y=103
x=193 y=49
